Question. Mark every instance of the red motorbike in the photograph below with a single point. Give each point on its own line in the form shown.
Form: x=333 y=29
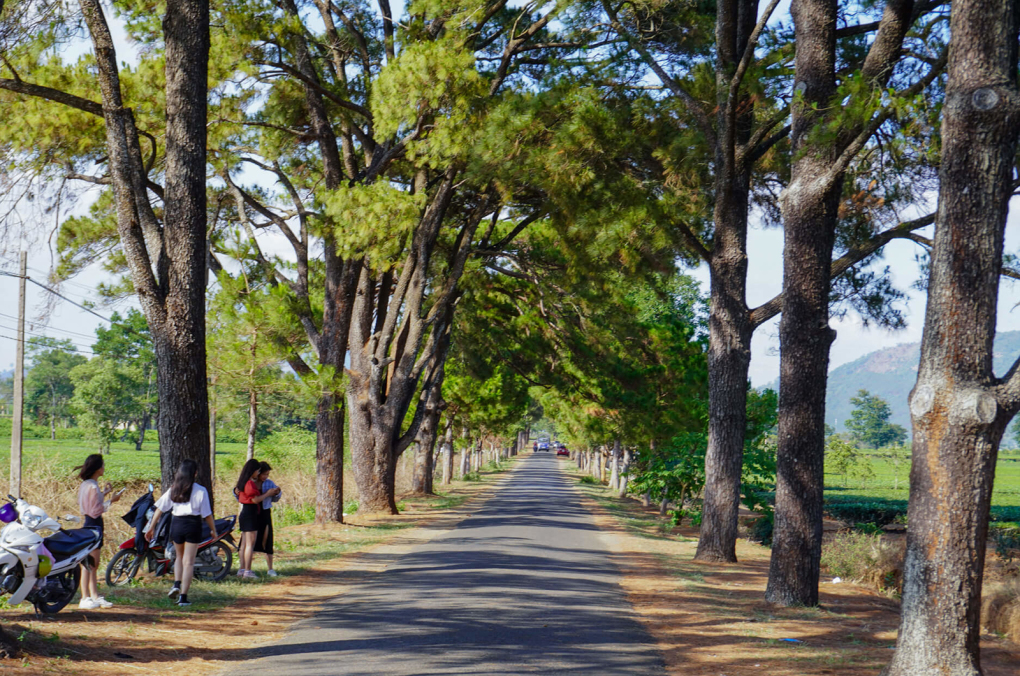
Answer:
x=212 y=561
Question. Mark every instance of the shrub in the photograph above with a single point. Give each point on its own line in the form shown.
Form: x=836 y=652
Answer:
x=880 y=513
x=761 y=529
x=1007 y=542
x=864 y=557
x=588 y=479
x=1000 y=610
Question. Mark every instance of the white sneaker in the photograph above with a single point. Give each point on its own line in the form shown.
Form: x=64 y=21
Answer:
x=240 y=572
x=271 y=573
x=102 y=603
x=88 y=604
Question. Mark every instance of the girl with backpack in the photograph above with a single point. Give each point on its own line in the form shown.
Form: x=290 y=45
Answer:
x=189 y=503
x=249 y=494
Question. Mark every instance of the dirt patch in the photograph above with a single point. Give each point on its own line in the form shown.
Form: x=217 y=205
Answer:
x=139 y=640
x=711 y=619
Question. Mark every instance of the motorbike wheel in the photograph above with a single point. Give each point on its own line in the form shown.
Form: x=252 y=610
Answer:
x=123 y=567
x=213 y=563
x=58 y=592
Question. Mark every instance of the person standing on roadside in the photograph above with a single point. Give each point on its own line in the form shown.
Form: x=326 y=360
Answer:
x=93 y=503
x=189 y=503
x=264 y=537
x=250 y=495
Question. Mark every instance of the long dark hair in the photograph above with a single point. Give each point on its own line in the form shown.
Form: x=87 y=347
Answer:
x=180 y=490
x=250 y=468
x=92 y=464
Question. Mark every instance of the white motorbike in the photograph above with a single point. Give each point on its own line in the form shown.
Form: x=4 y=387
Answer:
x=36 y=566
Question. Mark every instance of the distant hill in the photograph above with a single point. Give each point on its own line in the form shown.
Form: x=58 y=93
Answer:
x=891 y=373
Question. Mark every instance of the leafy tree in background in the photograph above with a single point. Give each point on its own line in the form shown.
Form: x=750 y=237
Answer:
x=103 y=400
x=128 y=343
x=843 y=458
x=869 y=422
x=48 y=384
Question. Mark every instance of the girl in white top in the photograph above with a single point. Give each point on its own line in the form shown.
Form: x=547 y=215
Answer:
x=189 y=503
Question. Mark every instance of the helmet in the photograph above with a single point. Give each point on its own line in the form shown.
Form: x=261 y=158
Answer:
x=8 y=513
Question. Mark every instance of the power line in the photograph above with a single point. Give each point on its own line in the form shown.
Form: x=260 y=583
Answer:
x=15 y=340
x=58 y=295
x=56 y=328
x=43 y=335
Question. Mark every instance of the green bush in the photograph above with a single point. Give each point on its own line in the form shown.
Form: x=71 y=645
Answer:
x=879 y=513
x=588 y=479
x=761 y=529
x=1007 y=541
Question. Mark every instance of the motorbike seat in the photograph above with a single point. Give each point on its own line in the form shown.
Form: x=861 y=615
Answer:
x=222 y=525
x=63 y=544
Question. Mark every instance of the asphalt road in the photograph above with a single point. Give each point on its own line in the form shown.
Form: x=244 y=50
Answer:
x=522 y=586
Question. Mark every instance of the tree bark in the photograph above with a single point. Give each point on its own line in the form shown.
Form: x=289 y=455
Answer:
x=448 y=455
x=624 y=473
x=810 y=207
x=959 y=409
x=424 y=464
x=179 y=340
x=253 y=420
x=614 y=475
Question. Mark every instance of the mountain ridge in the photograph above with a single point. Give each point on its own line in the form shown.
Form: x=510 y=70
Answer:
x=890 y=373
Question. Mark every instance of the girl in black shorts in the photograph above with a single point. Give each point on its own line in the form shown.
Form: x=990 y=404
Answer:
x=249 y=494
x=190 y=505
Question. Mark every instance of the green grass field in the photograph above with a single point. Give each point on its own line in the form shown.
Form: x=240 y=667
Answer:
x=123 y=463
x=891 y=483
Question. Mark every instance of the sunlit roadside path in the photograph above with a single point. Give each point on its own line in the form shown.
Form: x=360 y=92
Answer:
x=524 y=585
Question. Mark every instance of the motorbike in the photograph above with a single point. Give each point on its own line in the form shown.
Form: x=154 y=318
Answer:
x=212 y=562
x=43 y=569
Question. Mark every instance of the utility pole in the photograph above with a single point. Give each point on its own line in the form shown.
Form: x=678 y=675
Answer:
x=19 y=384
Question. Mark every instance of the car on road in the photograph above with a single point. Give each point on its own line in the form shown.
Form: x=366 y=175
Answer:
x=562 y=450
x=543 y=445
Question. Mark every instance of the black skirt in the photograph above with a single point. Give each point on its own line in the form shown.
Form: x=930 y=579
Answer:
x=96 y=523
x=186 y=529
x=248 y=521
x=264 y=540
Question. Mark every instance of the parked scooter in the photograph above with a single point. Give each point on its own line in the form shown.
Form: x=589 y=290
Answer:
x=212 y=561
x=43 y=570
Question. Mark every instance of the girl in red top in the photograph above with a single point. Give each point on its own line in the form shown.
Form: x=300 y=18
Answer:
x=249 y=494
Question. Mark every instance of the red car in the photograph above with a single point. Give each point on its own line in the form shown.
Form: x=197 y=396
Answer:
x=562 y=450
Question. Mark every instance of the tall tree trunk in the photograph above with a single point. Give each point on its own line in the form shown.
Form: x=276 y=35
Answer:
x=810 y=207
x=465 y=455
x=958 y=408
x=179 y=341
x=624 y=472
x=614 y=475
x=253 y=420
x=424 y=464
x=729 y=359
x=144 y=425
x=448 y=455
x=809 y=222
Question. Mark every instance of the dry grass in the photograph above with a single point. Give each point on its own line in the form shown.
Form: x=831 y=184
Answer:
x=1000 y=609
x=866 y=558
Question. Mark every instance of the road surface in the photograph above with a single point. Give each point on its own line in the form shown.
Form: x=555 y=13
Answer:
x=523 y=586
